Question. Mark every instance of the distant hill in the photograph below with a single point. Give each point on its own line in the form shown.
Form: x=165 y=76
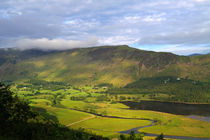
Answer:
x=117 y=65
x=195 y=54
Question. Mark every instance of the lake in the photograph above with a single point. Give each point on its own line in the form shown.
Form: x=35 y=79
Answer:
x=190 y=110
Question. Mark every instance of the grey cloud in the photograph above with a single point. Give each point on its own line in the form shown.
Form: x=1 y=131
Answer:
x=27 y=25
x=193 y=37
x=113 y=22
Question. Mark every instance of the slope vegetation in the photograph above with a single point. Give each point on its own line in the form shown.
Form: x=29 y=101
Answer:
x=116 y=65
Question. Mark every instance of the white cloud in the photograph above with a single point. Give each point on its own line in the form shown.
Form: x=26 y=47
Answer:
x=185 y=37
x=117 y=40
x=154 y=18
x=131 y=19
x=113 y=22
x=177 y=48
x=54 y=44
x=202 y=0
x=184 y=50
x=80 y=24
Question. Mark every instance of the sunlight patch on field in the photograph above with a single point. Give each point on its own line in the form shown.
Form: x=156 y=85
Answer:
x=110 y=125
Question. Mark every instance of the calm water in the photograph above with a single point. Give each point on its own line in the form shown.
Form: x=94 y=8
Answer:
x=191 y=110
x=202 y=118
x=136 y=130
x=195 y=111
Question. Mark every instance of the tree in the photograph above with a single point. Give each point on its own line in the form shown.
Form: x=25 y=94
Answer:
x=5 y=105
x=122 y=98
x=122 y=137
x=18 y=121
x=13 y=111
x=104 y=113
x=160 y=137
x=132 y=135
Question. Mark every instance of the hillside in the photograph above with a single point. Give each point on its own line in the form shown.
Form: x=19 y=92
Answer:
x=117 y=65
x=19 y=121
x=168 y=88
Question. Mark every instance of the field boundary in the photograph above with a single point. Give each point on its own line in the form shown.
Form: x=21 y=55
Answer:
x=92 y=116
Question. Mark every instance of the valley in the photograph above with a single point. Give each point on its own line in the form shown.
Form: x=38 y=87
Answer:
x=113 y=90
x=97 y=111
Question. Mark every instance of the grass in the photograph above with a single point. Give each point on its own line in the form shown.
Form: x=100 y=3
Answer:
x=64 y=116
x=110 y=126
x=168 y=124
x=114 y=65
x=72 y=104
x=40 y=101
x=182 y=127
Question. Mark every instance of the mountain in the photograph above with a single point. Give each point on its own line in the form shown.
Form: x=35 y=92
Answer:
x=117 y=65
x=195 y=54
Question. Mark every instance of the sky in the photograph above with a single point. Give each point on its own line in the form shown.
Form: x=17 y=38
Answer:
x=178 y=26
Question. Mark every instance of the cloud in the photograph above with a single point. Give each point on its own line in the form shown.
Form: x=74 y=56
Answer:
x=53 y=44
x=192 y=37
x=202 y=0
x=155 y=18
x=112 y=22
x=28 y=26
x=185 y=50
x=117 y=40
x=177 y=48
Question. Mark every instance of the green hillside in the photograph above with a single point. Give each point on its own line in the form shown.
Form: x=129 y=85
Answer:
x=116 y=65
x=168 y=88
x=88 y=88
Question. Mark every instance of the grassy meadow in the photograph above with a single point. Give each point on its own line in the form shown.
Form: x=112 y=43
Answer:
x=75 y=107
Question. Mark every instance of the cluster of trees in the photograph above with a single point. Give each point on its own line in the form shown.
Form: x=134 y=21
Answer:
x=104 y=85
x=90 y=108
x=177 y=89
x=133 y=136
x=102 y=98
x=19 y=121
x=115 y=98
x=38 y=84
x=77 y=98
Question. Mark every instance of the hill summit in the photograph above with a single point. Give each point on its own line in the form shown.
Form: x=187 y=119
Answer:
x=116 y=65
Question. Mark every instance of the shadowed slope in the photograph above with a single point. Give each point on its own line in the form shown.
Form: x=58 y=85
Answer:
x=118 y=65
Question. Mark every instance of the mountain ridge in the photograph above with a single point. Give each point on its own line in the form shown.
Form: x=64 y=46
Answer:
x=117 y=65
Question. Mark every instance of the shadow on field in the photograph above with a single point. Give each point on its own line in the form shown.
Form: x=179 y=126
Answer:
x=44 y=113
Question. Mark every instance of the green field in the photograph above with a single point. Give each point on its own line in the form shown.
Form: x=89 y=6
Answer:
x=65 y=116
x=75 y=107
x=110 y=126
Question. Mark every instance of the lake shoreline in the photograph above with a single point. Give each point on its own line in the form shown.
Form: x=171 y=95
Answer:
x=137 y=131
x=170 y=107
